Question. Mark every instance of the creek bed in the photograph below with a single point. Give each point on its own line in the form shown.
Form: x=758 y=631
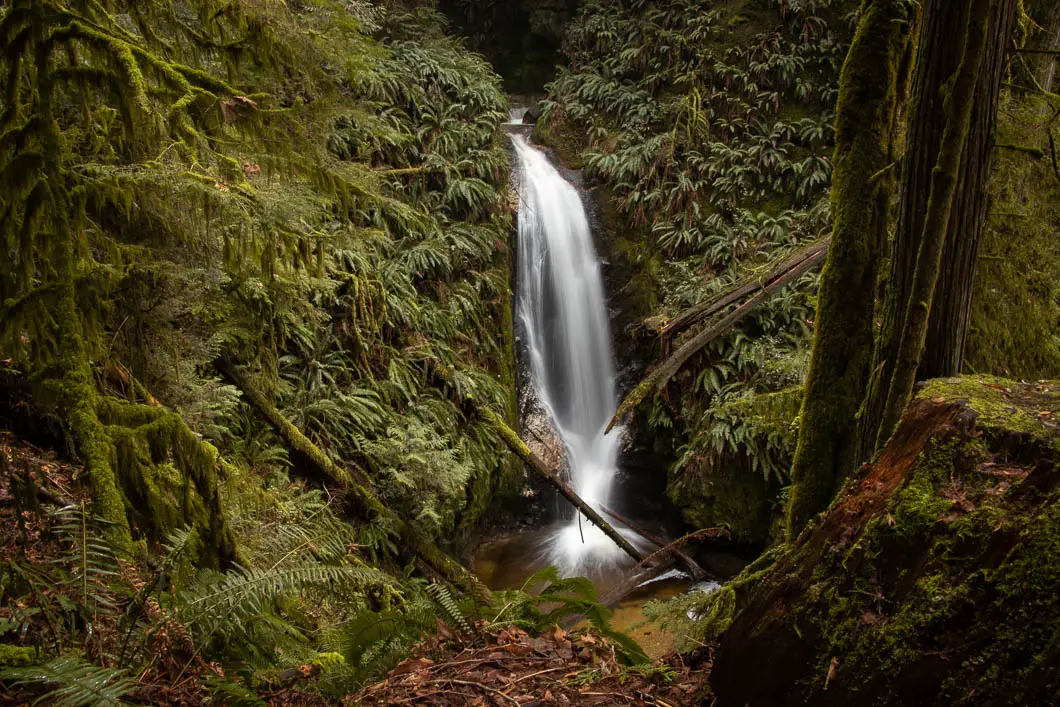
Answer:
x=507 y=561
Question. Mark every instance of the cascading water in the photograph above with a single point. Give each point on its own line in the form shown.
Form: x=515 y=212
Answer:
x=563 y=312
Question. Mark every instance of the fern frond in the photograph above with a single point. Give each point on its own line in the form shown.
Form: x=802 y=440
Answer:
x=73 y=682
x=453 y=615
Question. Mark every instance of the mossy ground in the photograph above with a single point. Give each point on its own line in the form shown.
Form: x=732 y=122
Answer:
x=931 y=580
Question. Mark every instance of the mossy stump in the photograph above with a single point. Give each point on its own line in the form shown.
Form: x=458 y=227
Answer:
x=931 y=580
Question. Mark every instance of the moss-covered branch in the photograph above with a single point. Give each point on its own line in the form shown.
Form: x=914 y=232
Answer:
x=698 y=313
x=791 y=270
x=355 y=484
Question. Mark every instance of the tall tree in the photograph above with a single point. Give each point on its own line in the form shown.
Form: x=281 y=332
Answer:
x=959 y=59
x=861 y=189
x=938 y=60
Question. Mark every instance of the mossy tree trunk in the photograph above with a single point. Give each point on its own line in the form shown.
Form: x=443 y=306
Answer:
x=67 y=382
x=974 y=28
x=861 y=188
x=53 y=289
x=938 y=59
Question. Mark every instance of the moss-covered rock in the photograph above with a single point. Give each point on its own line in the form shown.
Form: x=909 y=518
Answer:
x=17 y=656
x=930 y=581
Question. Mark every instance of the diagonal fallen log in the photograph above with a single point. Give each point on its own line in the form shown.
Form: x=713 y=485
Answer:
x=516 y=445
x=658 y=378
x=652 y=566
x=694 y=315
x=356 y=485
x=537 y=466
x=690 y=565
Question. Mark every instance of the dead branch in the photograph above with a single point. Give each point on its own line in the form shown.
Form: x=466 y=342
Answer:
x=668 y=368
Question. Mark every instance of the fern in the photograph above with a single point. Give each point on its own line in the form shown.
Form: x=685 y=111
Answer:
x=559 y=599
x=72 y=682
x=228 y=602
x=449 y=609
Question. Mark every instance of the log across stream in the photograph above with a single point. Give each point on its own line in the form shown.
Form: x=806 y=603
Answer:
x=507 y=561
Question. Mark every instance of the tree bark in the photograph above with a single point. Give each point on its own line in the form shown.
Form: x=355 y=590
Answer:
x=843 y=339
x=975 y=28
x=938 y=59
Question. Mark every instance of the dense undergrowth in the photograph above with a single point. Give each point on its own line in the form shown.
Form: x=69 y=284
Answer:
x=306 y=620
x=713 y=131
x=313 y=192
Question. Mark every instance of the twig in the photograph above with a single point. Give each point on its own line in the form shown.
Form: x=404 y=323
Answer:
x=539 y=672
x=469 y=683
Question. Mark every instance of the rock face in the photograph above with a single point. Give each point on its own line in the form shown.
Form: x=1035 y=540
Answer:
x=539 y=432
x=932 y=580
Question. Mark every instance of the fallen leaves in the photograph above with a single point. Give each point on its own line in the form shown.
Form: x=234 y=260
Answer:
x=512 y=668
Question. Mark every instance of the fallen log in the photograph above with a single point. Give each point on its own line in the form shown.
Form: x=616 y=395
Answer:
x=658 y=378
x=537 y=466
x=699 y=312
x=690 y=565
x=356 y=486
x=518 y=446
x=653 y=566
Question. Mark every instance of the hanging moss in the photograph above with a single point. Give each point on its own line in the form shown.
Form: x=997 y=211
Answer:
x=168 y=477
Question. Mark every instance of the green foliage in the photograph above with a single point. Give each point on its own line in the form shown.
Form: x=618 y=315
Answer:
x=312 y=189
x=713 y=129
x=561 y=598
x=74 y=683
x=64 y=599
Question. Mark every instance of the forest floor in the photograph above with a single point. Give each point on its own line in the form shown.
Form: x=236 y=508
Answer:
x=511 y=667
x=491 y=667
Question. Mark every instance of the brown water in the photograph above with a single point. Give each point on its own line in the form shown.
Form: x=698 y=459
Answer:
x=506 y=563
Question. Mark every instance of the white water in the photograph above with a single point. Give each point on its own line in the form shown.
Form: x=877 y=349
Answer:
x=562 y=309
x=515 y=116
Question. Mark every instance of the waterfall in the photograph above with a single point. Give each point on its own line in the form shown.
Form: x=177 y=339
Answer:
x=563 y=314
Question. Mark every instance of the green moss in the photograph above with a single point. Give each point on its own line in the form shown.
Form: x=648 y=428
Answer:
x=1003 y=406
x=725 y=495
x=329 y=662
x=945 y=592
x=551 y=132
x=1015 y=313
x=844 y=335
x=917 y=506
x=17 y=656
x=168 y=477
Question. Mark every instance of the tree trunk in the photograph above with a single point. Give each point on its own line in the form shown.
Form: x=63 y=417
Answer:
x=1046 y=42
x=843 y=340
x=938 y=59
x=950 y=189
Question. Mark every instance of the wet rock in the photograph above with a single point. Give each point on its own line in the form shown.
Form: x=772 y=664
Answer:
x=533 y=114
x=540 y=433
